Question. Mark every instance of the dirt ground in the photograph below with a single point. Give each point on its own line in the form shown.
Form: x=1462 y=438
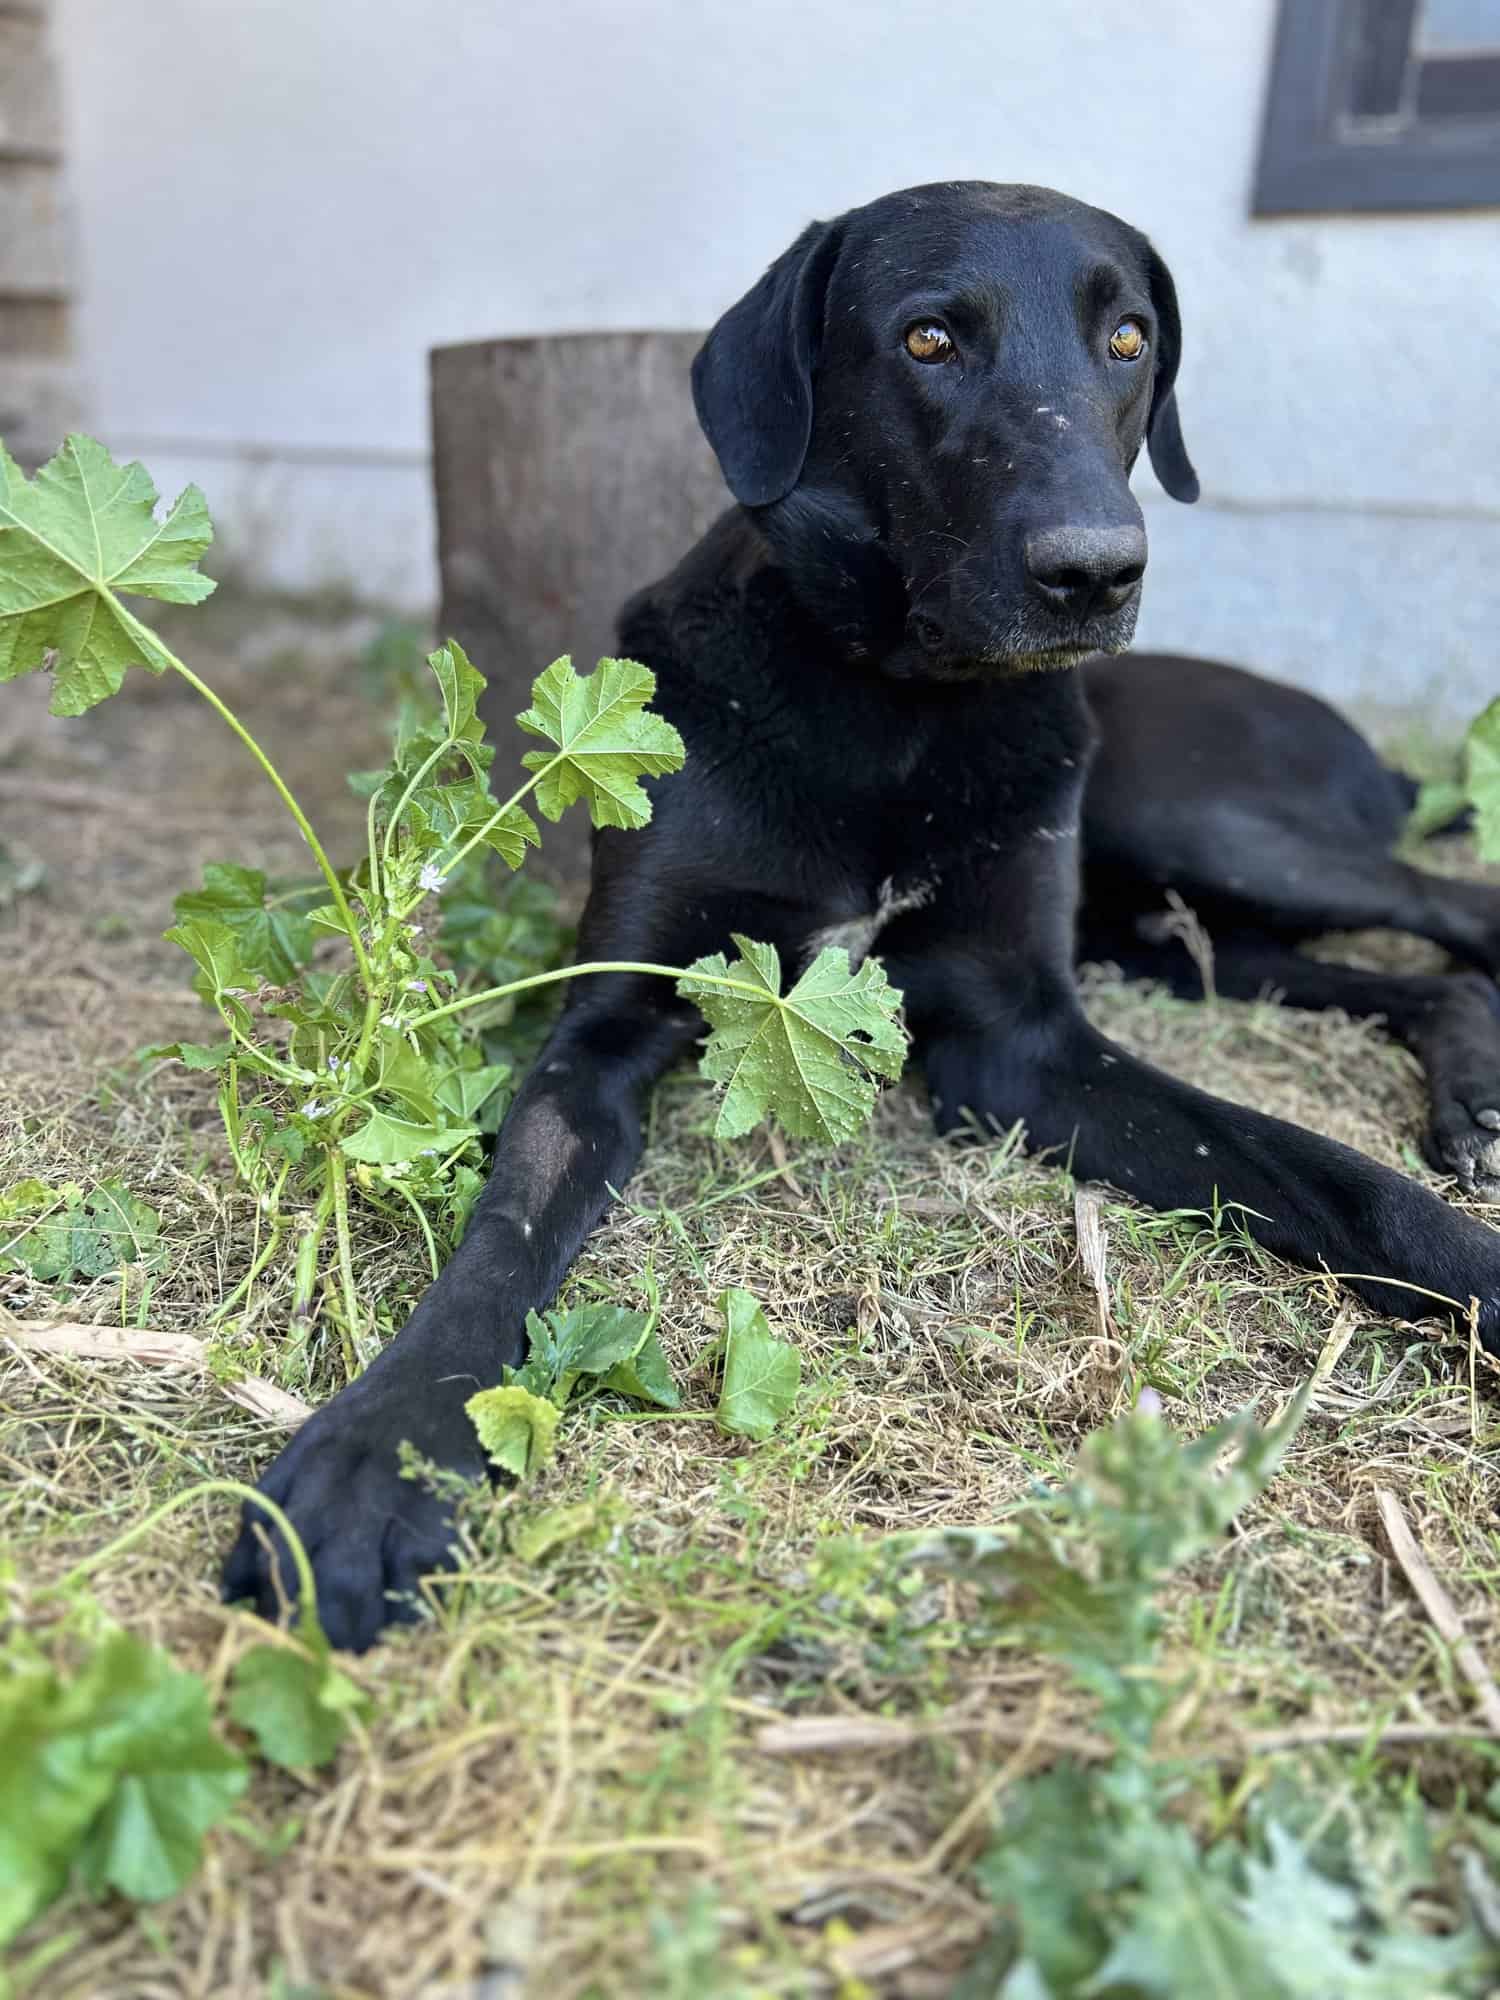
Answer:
x=573 y=1783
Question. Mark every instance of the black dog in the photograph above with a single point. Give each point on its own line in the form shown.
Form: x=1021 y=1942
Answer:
x=1274 y=820
x=928 y=412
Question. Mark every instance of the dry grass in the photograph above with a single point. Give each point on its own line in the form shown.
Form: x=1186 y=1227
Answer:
x=566 y=1790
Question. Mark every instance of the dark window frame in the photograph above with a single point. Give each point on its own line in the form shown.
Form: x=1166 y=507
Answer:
x=1315 y=158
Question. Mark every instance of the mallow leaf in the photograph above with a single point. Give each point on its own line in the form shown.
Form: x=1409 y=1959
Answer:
x=384 y=1141
x=645 y=1376
x=808 y=1059
x=273 y=941
x=516 y=1428
x=82 y=528
x=761 y=1373
x=450 y=814
x=131 y=1741
x=78 y=1235
x=461 y=684
x=608 y=740
x=296 y=1704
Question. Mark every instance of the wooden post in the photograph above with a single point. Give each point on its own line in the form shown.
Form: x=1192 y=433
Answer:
x=570 y=471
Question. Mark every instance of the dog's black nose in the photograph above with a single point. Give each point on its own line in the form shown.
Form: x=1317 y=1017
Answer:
x=1083 y=571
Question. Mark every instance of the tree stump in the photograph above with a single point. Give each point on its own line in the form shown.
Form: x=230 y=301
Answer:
x=570 y=471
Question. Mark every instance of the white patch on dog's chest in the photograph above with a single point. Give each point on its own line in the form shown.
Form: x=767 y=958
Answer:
x=857 y=935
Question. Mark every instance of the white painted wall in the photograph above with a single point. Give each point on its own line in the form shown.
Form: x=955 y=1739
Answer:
x=283 y=203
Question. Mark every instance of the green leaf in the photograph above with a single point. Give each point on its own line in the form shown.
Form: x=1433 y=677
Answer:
x=296 y=1704
x=1051 y=1869
x=51 y=1787
x=808 y=1060
x=82 y=527
x=1482 y=775
x=272 y=943
x=173 y=1780
x=593 y=1339
x=532 y=1539
x=115 y=1770
x=28 y=1197
x=192 y=1055
x=401 y=1073
x=383 y=1141
x=1325 y=1948
x=461 y=685
x=761 y=1373
x=608 y=740
x=466 y=1092
x=215 y=950
x=645 y=1376
x=78 y=1235
x=516 y=1428
x=1185 y=1935
x=612 y=1343
x=449 y=815
x=509 y=834
x=1077 y=1576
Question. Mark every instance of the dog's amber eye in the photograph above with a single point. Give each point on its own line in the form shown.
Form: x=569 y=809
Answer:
x=927 y=341
x=1128 y=341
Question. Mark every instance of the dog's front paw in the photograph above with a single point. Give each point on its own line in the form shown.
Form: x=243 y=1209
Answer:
x=370 y=1534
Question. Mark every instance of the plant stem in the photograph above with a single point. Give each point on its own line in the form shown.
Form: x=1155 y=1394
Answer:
x=500 y=811
x=375 y=876
x=425 y=1226
x=203 y=1488
x=598 y=965
x=306 y=1269
x=394 y=818
x=263 y=1255
x=169 y=658
x=338 y=1178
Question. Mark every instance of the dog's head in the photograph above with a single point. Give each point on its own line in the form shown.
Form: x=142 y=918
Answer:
x=932 y=407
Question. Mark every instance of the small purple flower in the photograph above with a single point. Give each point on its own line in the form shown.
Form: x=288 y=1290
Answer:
x=431 y=878
x=1148 y=1403
x=416 y=985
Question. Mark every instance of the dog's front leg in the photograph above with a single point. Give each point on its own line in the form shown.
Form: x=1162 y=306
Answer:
x=572 y=1134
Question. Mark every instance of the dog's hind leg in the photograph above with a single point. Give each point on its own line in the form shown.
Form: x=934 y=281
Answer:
x=1450 y=1022
x=1261 y=807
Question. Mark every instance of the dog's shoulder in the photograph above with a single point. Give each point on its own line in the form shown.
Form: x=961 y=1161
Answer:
x=705 y=619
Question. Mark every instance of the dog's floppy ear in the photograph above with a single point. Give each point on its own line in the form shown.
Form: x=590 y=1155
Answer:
x=753 y=376
x=1169 y=459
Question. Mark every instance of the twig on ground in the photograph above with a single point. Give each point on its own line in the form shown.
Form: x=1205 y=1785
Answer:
x=1439 y=1607
x=155 y=1349
x=1088 y=1209
x=831 y=1734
